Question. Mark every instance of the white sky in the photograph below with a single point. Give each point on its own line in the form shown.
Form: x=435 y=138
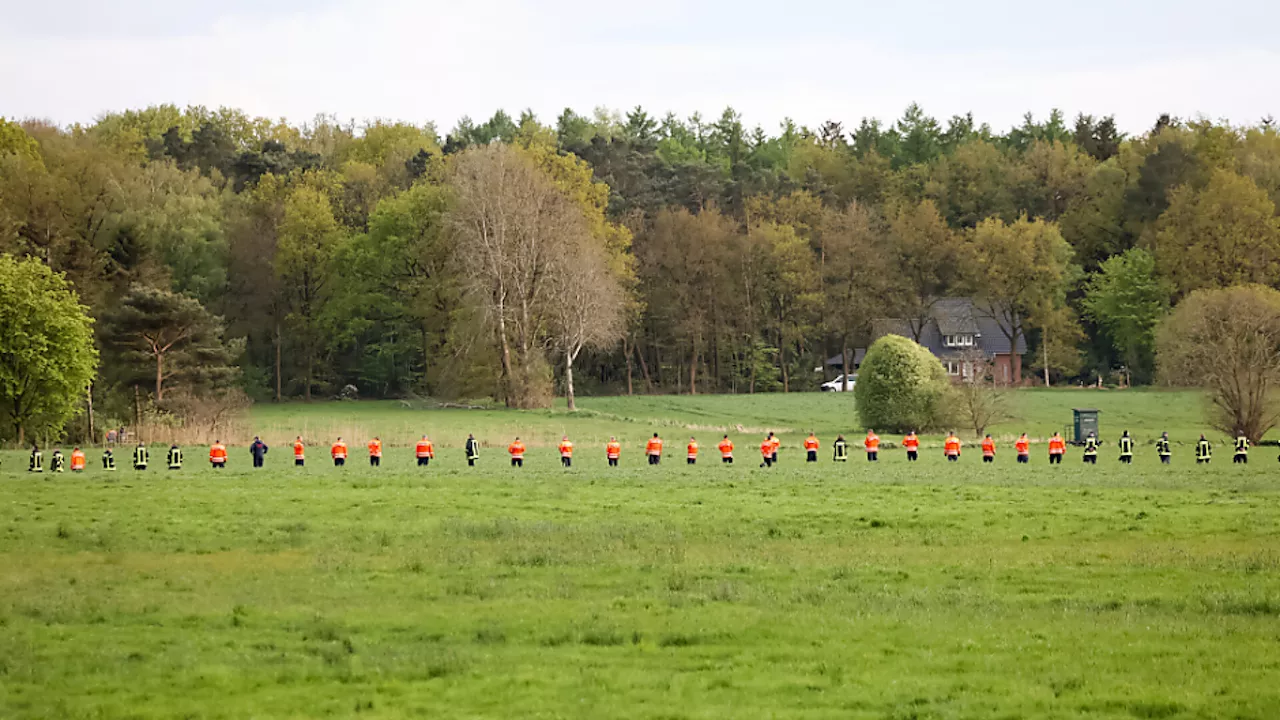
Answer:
x=423 y=60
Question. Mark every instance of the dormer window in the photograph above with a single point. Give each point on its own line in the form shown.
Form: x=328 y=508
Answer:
x=965 y=340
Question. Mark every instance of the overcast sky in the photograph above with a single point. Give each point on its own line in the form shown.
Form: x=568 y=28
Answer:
x=73 y=60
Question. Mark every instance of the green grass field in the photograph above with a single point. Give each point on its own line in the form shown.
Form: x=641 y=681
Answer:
x=1145 y=413
x=889 y=591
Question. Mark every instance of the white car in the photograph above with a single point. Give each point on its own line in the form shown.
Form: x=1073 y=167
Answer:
x=837 y=385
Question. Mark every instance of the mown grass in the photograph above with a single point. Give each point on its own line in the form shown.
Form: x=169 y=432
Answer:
x=1145 y=413
x=888 y=591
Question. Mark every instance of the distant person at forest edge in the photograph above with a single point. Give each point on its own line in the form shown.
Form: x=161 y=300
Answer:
x=259 y=452
x=218 y=455
x=473 y=450
x=516 y=451
x=339 y=453
x=424 y=451
x=653 y=449
x=726 y=451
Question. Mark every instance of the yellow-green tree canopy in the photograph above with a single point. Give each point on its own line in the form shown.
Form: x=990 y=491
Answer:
x=49 y=358
x=901 y=387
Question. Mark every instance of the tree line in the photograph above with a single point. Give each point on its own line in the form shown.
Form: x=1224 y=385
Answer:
x=219 y=253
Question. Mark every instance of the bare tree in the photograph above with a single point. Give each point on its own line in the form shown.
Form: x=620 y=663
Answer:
x=585 y=307
x=511 y=228
x=980 y=403
x=1228 y=342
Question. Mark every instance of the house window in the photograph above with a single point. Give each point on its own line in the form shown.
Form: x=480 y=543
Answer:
x=957 y=340
x=953 y=367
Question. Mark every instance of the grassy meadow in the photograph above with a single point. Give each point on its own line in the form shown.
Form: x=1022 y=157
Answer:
x=746 y=418
x=932 y=590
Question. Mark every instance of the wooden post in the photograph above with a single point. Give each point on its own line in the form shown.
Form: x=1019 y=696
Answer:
x=92 y=437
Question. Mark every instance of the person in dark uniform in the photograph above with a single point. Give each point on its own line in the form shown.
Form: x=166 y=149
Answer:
x=1242 y=451
x=57 y=463
x=841 y=452
x=174 y=458
x=259 y=451
x=37 y=460
x=1204 y=451
x=473 y=450
x=1091 y=450
x=1126 y=448
x=141 y=457
x=108 y=460
x=1162 y=449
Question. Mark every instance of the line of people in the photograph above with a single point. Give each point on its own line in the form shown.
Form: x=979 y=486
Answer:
x=424 y=451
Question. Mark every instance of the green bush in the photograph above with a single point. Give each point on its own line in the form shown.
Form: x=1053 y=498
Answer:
x=901 y=386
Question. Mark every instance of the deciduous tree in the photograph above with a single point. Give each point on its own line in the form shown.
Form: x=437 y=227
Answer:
x=1128 y=298
x=1018 y=271
x=1228 y=342
x=309 y=235
x=1224 y=234
x=48 y=358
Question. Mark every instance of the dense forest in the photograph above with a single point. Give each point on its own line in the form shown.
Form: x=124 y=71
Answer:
x=219 y=252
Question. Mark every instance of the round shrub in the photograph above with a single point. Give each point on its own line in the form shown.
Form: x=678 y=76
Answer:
x=901 y=386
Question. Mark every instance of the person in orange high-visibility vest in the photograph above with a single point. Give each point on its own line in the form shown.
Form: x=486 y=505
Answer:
x=872 y=446
x=1057 y=448
x=811 y=448
x=566 y=451
x=612 y=451
x=299 y=452
x=653 y=449
x=1023 y=446
x=726 y=450
x=912 y=444
x=516 y=450
x=988 y=449
x=375 y=452
x=424 y=451
x=218 y=455
x=767 y=451
x=951 y=447
x=77 y=460
x=691 y=452
x=339 y=453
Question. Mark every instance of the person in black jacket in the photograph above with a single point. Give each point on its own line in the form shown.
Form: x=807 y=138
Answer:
x=259 y=451
x=473 y=450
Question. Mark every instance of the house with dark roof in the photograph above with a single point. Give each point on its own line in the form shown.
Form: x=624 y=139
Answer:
x=955 y=328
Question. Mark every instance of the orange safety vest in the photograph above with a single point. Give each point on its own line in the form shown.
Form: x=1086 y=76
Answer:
x=375 y=448
x=218 y=454
x=776 y=443
x=952 y=446
x=911 y=442
x=566 y=449
x=1023 y=445
x=517 y=450
x=726 y=448
x=692 y=449
x=872 y=442
x=811 y=443
x=77 y=460
x=338 y=451
x=424 y=449
x=1057 y=446
x=654 y=446
x=988 y=447
x=613 y=450
x=298 y=451
x=766 y=448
